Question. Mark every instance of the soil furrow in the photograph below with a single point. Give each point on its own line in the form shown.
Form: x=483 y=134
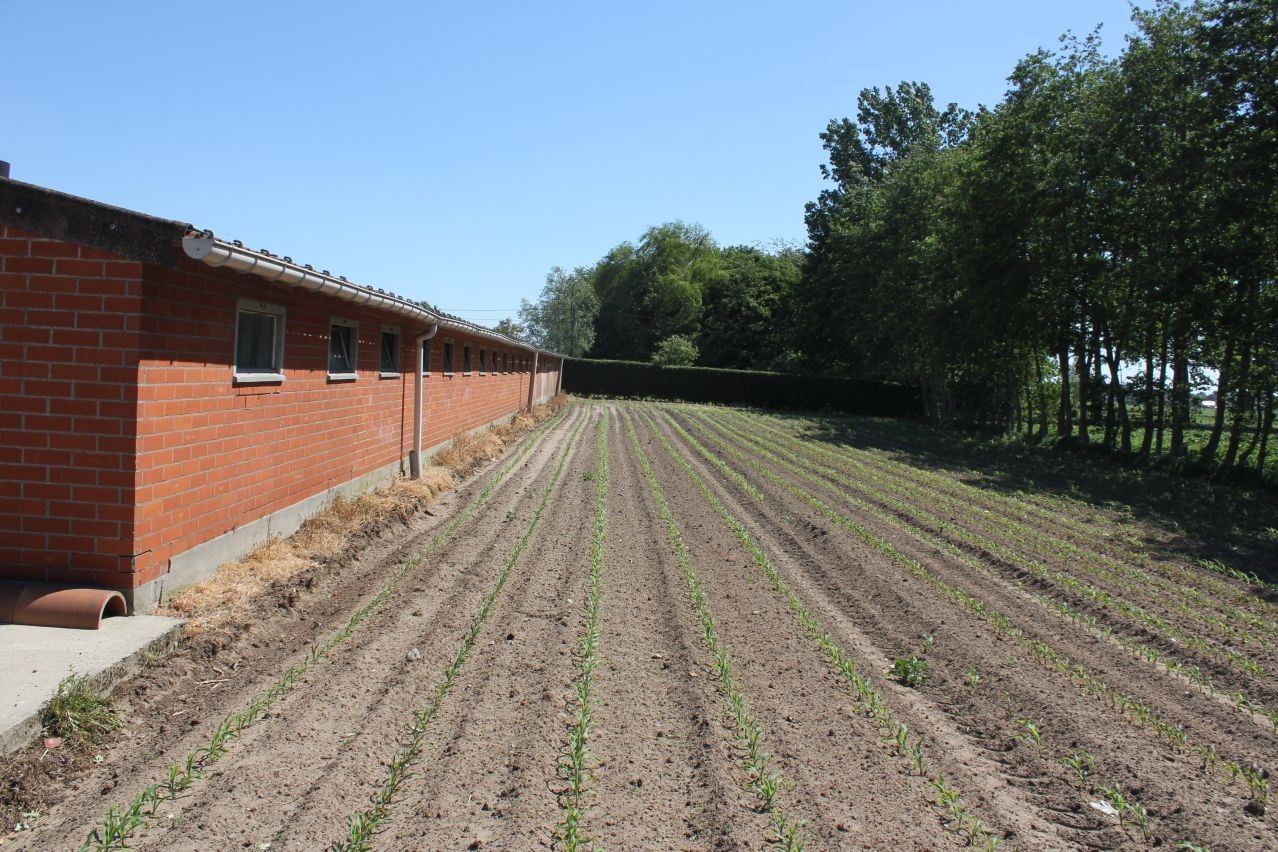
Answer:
x=191 y=719
x=666 y=775
x=493 y=745
x=844 y=775
x=888 y=604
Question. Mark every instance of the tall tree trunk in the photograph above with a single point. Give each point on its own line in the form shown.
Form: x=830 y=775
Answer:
x=1222 y=391
x=1180 y=391
x=1266 y=429
x=1162 y=397
x=1147 y=439
x=1243 y=393
x=1065 y=412
x=1084 y=376
x=1042 y=396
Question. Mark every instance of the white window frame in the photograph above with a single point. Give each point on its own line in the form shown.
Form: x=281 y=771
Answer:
x=399 y=345
x=256 y=307
x=354 y=327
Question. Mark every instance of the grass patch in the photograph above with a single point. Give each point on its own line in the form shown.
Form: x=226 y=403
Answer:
x=80 y=713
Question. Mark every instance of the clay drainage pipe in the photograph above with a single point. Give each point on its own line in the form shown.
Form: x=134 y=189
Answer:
x=58 y=606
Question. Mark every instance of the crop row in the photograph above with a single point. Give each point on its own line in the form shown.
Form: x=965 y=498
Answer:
x=892 y=490
x=1036 y=649
x=121 y=824
x=1204 y=589
x=871 y=701
x=919 y=530
x=765 y=781
x=363 y=825
x=573 y=765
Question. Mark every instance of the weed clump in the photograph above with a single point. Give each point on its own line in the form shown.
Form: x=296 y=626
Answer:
x=910 y=671
x=79 y=713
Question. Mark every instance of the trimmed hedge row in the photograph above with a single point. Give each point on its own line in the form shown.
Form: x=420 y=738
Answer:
x=740 y=387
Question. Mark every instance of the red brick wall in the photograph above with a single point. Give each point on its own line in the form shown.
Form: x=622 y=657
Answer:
x=213 y=456
x=124 y=441
x=69 y=321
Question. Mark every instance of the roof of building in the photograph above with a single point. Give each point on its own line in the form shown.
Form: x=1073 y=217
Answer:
x=150 y=239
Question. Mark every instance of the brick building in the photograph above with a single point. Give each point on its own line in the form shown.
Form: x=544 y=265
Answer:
x=169 y=399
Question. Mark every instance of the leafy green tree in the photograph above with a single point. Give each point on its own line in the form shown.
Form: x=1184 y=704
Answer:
x=746 y=321
x=563 y=317
x=677 y=350
x=654 y=290
x=510 y=328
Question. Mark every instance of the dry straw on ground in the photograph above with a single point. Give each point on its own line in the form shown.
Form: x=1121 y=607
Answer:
x=230 y=593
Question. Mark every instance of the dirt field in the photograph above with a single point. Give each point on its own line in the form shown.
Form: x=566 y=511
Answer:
x=674 y=627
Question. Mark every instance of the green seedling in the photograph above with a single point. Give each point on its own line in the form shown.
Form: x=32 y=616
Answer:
x=971 y=676
x=1031 y=734
x=910 y=670
x=1081 y=763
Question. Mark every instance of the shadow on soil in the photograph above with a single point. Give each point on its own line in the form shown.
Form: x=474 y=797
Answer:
x=1178 y=516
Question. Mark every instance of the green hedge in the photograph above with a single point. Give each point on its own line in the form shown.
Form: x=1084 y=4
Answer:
x=740 y=387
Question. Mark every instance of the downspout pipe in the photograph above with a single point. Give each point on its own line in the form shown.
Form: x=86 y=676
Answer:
x=532 y=383
x=419 y=403
x=559 y=385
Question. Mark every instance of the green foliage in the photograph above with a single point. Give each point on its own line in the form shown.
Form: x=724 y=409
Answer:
x=80 y=713
x=677 y=350
x=654 y=290
x=563 y=317
x=910 y=670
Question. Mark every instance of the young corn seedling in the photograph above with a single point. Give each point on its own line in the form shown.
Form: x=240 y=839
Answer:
x=1258 y=785
x=361 y=826
x=180 y=777
x=574 y=766
x=1031 y=734
x=971 y=676
x=838 y=658
x=1081 y=763
x=764 y=781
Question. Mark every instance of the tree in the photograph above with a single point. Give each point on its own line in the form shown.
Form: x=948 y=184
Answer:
x=563 y=318
x=677 y=350
x=510 y=328
x=745 y=320
x=654 y=290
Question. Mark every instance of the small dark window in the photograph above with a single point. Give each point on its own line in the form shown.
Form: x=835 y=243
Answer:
x=390 y=352
x=448 y=357
x=466 y=358
x=341 y=349
x=483 y=359
x=255 y=343
x=425 y=365
x=505 y=362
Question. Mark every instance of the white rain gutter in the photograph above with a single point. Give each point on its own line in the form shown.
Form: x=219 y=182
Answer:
x=205 y=246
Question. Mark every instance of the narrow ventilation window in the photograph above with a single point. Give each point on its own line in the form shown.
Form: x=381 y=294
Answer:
x=389 y=366
x=466 y=358
x=448 y=357
x=259 y=342
x=343 y=336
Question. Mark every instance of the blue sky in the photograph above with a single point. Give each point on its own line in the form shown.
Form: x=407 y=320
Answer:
x=455 y=152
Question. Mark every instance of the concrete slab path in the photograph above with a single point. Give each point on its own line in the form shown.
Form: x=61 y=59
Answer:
x=33 y=660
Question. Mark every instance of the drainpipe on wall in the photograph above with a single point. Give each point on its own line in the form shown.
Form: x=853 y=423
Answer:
x=532 y=382
x=559 y=386
x=419 y=404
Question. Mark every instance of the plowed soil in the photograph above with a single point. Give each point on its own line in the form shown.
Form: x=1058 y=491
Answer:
x=1052 y=631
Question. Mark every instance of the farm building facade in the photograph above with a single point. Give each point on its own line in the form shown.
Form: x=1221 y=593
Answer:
x=168 y=399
